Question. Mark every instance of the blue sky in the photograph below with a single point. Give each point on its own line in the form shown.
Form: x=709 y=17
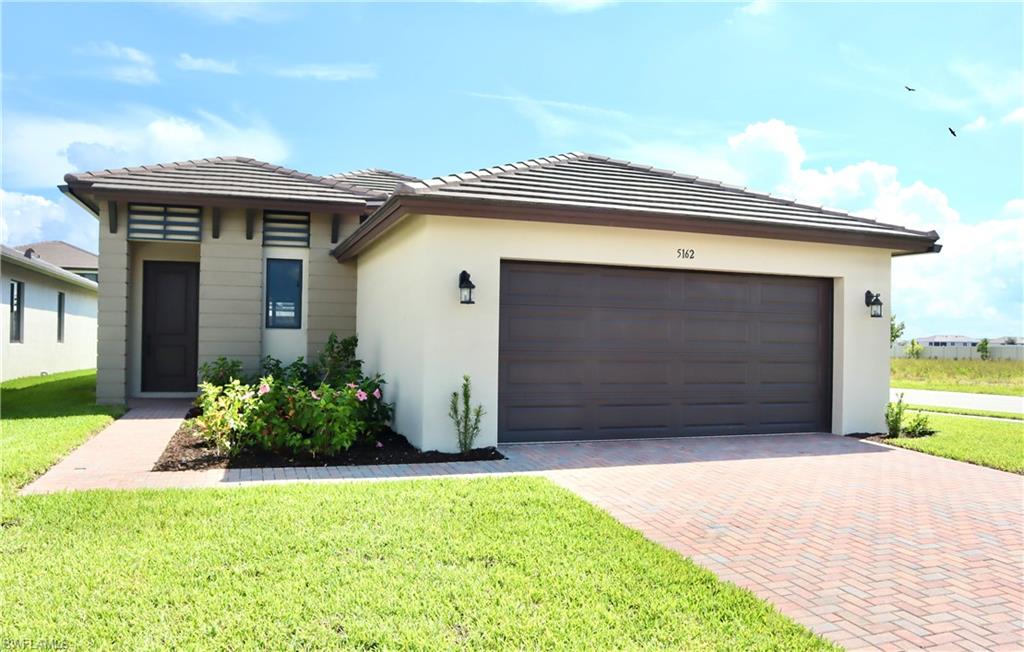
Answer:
x=802 y=100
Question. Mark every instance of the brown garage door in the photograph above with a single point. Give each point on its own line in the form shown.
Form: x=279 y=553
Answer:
x=590 y=352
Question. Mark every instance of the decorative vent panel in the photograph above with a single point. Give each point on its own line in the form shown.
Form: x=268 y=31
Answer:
x=153 y=222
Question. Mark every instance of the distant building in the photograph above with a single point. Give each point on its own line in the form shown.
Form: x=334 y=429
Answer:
x=949 y=340
x=1007 y=340
x=64 y=255
x=50 y=316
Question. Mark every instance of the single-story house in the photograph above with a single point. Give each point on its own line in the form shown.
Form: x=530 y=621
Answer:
x=50 y=323
x=64 y=255
x=949 y=340
x=587 y=297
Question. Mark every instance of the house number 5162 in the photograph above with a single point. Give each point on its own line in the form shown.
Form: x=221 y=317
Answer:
x=685 y=254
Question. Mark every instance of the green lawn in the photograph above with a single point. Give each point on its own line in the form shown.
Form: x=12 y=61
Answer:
x=43 y=418
x=974 y=376
x=509 y=563
x=968 y=412
x=997 y=444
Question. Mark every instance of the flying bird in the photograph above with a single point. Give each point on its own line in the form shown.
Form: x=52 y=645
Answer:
x=951 y=131
x=910 y=89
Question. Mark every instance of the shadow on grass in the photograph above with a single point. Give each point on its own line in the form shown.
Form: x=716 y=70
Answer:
x=60 y=396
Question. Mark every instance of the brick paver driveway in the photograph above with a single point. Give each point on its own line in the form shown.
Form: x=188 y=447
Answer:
x=870 y=546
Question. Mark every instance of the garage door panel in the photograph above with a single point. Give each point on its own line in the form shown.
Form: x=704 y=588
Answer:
x=723 y=329
x=545 y=374
x=614 y=374
x=616 y=289
x=546 y=326
x=634 y=330
x=618 y=352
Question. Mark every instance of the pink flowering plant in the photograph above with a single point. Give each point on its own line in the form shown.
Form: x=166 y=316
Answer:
x=295 y=413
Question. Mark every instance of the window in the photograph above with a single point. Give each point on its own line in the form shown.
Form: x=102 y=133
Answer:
x=17 y=298
x=92 y=276
x=60 y=316
x=284 y=293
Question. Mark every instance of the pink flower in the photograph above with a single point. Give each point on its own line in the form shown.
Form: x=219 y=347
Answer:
x=247 y=396
x=351 y=385
x=314 y=395
x=380 y=445
x=377 y=394
x=361 y=395
x=264 y=388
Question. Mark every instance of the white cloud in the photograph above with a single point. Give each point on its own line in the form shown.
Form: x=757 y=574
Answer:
x=1014 y=208
x=979 y=123
x=575 y=6
x=39 y=150
x=991 y=86
x=975 y=285
x=186 y=61
x=1014 y=117
x=758 y=7
x=329 y=72
x=132 y=66
x=29 y=218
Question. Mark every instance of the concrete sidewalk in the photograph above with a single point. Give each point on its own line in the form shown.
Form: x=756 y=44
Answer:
x=991 y=402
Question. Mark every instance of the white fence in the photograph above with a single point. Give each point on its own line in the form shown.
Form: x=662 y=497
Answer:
x=996 y=352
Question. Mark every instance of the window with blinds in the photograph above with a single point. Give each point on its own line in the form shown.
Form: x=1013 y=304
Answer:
x=285 y=229
x=153 y=222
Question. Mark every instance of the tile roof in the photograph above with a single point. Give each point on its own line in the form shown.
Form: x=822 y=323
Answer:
x=10 y=255
x=374 y=179
x=591 y=181
x=62 y=254
x=233 y=177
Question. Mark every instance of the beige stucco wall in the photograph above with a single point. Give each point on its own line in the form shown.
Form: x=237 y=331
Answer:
x=413 y=329
x=331 y=286
x=231 y=295
x=231 y=291
x=39 y=351
x=112 y=316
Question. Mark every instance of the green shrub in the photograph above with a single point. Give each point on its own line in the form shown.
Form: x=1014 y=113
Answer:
x=466 y=418
x=915 y=350
x=296 y=408
x=983 y=351
x=918 y=427
x=221 y=371
x=338 y=364
x=894 y=415
x=279 y=417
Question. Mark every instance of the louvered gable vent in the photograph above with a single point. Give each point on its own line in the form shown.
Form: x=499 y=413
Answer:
x=285 y=229
x=153 y=222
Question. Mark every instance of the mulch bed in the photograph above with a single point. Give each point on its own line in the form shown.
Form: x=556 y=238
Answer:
x=188 y=452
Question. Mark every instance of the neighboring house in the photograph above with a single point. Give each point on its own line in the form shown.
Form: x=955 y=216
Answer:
x=64 y=255
x=948 y=340
x=1008 y=340
x=611 y=299
x=49 y=322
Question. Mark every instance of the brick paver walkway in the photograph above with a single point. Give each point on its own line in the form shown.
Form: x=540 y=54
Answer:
x=872 y=547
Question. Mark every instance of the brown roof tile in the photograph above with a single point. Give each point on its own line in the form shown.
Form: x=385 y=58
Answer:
x=62 y=254
x=233 y=177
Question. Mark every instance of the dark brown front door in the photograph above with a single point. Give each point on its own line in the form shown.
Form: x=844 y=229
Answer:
x=589 y=352
x=170 y=326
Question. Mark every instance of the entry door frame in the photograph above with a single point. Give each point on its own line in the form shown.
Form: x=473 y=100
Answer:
x=151 y=304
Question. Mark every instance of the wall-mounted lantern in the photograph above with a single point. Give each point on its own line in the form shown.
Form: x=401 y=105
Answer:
x=465 y=288
x=874 y=302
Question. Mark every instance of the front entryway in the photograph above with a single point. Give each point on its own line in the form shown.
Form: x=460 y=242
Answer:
x=592 y=352
x=170 y=326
